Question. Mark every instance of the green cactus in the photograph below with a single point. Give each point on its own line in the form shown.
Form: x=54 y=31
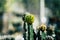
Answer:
x=42 y=32
x=24 y=27
x=25 y=31
x=30 y=32
x=30 y=19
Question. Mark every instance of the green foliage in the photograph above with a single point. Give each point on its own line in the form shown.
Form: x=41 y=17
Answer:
x=54 y=5
x=2 y=3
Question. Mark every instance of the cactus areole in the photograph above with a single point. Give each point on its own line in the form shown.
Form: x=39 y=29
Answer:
x=29 y=18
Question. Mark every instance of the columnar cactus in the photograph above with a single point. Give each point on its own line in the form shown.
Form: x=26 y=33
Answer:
x=30 y=19
x=42 y=32
x=24 y=27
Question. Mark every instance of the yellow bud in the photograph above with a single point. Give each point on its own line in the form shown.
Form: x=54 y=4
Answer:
x=29 y=18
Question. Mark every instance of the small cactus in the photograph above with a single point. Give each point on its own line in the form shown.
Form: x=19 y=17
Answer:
x=41 y=32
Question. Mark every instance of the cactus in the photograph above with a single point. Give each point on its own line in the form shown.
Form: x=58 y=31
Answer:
x=30 y=19
x=30 y=32
x=24 y=27
x=42 y=32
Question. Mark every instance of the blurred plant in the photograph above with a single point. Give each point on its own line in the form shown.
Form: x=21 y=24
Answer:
x=24 y=27
x=42 y=27
x=41 y=32
x=2 y=3
x=49 y=38
x=54 y=5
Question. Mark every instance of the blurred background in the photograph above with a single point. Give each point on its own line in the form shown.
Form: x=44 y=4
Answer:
x=10 y=7
x=11 y=11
